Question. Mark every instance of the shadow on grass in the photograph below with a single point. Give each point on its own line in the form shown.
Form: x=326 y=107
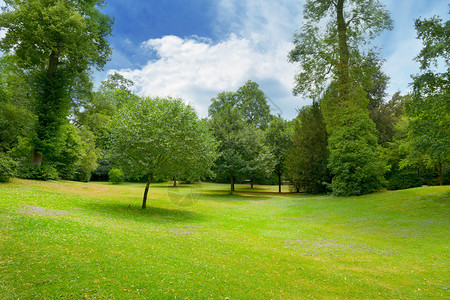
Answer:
x=150 y=214
x=223 y=195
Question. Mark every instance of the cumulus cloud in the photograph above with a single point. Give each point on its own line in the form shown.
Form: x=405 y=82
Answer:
x=197 y=69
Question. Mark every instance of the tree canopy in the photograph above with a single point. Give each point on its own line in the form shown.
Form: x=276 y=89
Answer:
x=150 y=135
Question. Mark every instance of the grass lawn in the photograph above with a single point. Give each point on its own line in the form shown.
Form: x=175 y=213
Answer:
x=77 y=240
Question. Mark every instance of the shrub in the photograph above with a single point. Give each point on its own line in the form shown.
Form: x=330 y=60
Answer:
x=7 y=167
x=43 y=172
x=404 y=180
x=354 y=159
x=116 y=176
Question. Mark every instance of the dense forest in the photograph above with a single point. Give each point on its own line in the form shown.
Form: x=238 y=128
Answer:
x=352 y=140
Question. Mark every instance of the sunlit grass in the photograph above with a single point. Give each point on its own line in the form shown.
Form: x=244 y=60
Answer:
x=76 y=240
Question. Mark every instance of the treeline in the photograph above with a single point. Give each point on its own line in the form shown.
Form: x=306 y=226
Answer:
x=240 y=142
x=352 y=140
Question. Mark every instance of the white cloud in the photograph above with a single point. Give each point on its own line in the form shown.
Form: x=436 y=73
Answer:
x=255 y=38
x=196 y=69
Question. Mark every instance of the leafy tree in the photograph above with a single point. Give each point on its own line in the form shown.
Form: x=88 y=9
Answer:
x=332 y=53
x=386 y=116
x=307 y=157
x=259 y=159
x=278 y=138
x=253 y=105
x=241 y=150
x=149 y=136
x=7 y=167
x=428 y=108
x=116 y=176
x=16 y=117
x=251 y=102
x=401 y=175
x=222 y=101
x=55 y=41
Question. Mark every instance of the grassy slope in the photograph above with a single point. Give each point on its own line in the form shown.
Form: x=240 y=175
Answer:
x=80 y=240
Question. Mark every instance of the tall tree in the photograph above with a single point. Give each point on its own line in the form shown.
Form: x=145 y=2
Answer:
x=331 y=53
x=307 y=157
x=241 y=150
x=150 y=136
x=278 y=138
x=428 y=109
x=56 y=41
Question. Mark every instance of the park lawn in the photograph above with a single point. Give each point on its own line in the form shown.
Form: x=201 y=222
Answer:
x=76 y=240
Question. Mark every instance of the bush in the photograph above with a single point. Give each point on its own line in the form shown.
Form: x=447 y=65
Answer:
x=7 y=167
x=116 y=176
x=44 y=172
x=404 y=180
x=354 y=160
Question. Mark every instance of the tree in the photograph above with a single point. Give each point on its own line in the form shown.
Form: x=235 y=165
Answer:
x=428 y=108
x=307 y=157
x=386 y=116
x=16 y=117
x=332 y=53
x=251 y=101
x=55 y=41
x=278 y=138
x=241 y=150
x=228 y=128
x=150 y=135
x=253 y=105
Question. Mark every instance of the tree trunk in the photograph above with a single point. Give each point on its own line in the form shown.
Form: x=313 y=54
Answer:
x=174 y=180
x=279 y=182
x=343 y=67
x=36 y=158
x=53 y=62
x=251 y=183
x=232 y=183
x=441 y=180
x=144 y=201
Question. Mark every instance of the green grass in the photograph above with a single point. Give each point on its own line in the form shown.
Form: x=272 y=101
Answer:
x=93 y=241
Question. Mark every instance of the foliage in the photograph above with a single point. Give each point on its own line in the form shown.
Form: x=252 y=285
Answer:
x=116 y=176
x=76 y=32
x=16 y=105
x=322 y=51
x=278 y=139
x=428 y=109
x=56 y=41
x=89 y=155
x=354 y=160
x=250 y=101
x=15 y=121
x=241 y=150
x=386 y=116
x=43 y=172
x=334 y=68
x=253 y=105
x=307 y=157
x=7 y=167
x=151 y=135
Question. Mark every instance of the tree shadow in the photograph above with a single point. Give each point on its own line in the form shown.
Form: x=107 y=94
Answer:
x=223 y=195
x=152 y=214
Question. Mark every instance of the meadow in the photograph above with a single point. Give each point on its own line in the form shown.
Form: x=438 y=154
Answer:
x=75 y=240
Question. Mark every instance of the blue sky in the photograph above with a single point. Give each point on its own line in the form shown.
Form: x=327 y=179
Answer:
x=194 y=49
